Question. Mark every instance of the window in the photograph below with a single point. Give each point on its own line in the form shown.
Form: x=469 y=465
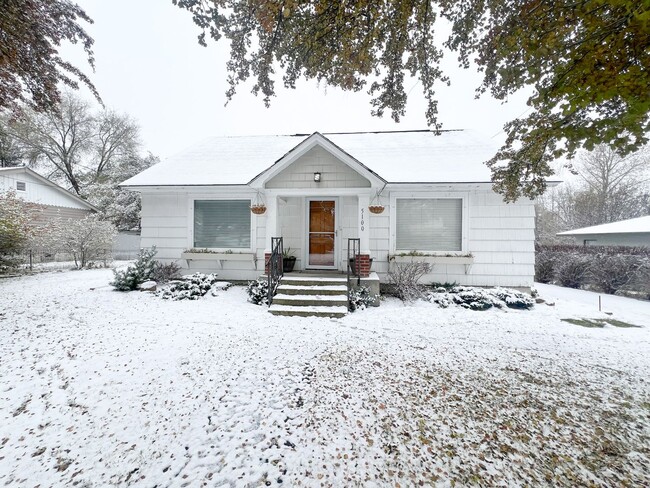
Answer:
x=429 y=224
x=21 y=186
x=222 y=224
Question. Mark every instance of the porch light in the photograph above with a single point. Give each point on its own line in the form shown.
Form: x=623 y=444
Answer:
x=317 y=177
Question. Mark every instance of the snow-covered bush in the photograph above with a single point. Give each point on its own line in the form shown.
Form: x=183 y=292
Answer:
x=572 y=271
x=162 y=273
x=87 y=239
x=258 y=292
x=136 y=273
x=544 y=266
x=480 y=298
x=190 y=287
x=16 y=227
x=610 y=273
x=361 y=298
x=405 y=280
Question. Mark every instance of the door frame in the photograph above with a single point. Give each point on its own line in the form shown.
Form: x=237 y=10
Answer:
x=336 y=231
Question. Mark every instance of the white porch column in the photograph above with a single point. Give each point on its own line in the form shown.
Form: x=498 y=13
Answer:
x=271 y=220
x=363 y=221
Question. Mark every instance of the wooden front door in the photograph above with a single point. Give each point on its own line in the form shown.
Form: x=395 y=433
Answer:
x=322 y=234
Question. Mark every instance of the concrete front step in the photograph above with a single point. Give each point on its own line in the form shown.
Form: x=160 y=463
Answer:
x=311 y=300
x=314 y=280
x=311 y=289
x=308 y=311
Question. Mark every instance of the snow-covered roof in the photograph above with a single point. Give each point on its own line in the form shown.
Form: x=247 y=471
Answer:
x=14 y=170
x=397 y=157
x=630 y=226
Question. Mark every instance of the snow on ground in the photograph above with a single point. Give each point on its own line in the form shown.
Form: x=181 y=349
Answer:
x=105 y=388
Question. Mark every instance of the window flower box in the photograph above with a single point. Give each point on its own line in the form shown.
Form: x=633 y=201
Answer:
x=219 y=256
x=443 y=259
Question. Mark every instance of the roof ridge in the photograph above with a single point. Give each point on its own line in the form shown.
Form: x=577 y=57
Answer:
x=307 y=134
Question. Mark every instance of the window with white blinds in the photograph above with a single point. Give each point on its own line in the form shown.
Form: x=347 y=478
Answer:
x=222 y=224
x=434 y=224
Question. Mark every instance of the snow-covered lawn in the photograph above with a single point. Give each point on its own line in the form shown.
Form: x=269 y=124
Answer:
x=105 y=388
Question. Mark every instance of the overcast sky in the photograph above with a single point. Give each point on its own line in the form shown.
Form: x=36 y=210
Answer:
x=149 y=65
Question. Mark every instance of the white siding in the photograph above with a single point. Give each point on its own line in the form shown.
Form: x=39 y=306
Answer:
x=167 y=223
x=334 y=173
x=500 y=237
x=37 y=191
x=638 y=239
x=291 y=219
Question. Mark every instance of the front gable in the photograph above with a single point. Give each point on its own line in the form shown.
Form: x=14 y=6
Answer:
x=334 y=173
x=317 y=154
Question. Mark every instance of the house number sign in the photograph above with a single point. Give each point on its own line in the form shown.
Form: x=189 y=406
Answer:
x=363 y=216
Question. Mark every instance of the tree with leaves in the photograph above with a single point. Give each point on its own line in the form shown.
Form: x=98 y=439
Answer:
x=31 y=68
x=587 y=62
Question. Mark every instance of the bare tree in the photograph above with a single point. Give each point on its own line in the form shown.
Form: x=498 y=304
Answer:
x=612 y=183
x=12 y=153
x=59 y=139
x=610 y=188
x=117 y=139
x=75 y=144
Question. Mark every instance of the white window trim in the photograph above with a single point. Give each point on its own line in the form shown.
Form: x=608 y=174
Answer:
x=190 y=223
x=24 y=183
x=422 y=195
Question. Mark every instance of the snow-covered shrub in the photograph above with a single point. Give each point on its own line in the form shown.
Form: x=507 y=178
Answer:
x=545 y=266
x=405 y=280
x=136 y=273
x=610 y=273
x=513 y=298
x=361 y=298
x=16 y=227
x=191 y=287
x=162 y=273
x=481 y=298
x=87 y=239
x=258 y=292
x=572 y=271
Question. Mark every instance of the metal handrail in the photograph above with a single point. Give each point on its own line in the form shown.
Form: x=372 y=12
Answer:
x=354 y=249
x=275 y=267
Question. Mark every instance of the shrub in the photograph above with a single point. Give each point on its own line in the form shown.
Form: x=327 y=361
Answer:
x=87 y=239
x=361 y=298
x=190 y=287
x=136 y=273
x=545 y=267
x=16 y=227
x=405 y=280
x=573 y=271
x=480 y=298
x=162 y=273
x=610 y=273
x=258 y=292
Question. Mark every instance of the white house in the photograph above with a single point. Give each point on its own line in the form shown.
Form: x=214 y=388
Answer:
x=317 y=189
x=32 y=187
x=631 y=232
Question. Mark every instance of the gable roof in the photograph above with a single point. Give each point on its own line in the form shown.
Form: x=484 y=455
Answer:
x=640 y=225
x=454 y=156
x=44 y=181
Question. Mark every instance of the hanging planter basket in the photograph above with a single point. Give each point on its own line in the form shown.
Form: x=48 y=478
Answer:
x=258 y=208
x=376 y=209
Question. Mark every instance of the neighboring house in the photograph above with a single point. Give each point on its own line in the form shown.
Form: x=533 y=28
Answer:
x=32 y=187
x=631 y=232
x=317 y=189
